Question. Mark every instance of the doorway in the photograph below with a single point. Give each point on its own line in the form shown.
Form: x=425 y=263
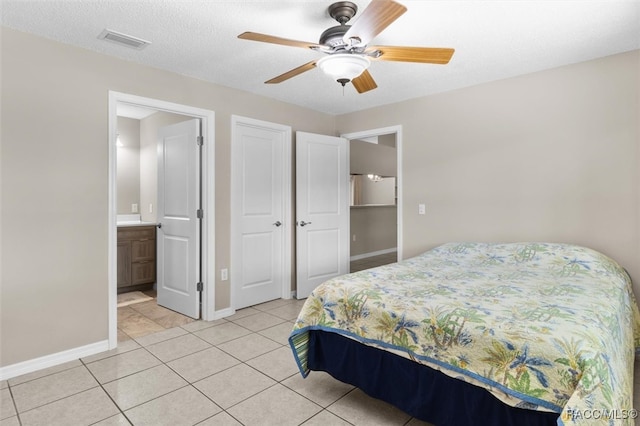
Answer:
x=143 y=305
x=145 y=207
x=376 y=201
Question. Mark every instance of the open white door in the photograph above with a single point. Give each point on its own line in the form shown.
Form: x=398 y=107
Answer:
x=178 y=236
x=261 y=218
x=322 y=210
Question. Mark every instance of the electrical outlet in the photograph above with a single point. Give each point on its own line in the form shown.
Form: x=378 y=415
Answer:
x=134 y=208
x=422 y=209
x=224 y=274
x=354 y=237
x=150 y=207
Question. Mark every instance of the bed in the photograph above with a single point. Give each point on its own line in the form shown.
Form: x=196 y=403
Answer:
x=481 y=333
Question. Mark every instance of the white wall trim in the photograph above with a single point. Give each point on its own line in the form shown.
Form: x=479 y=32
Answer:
x=385 y=131
x=373 y=253
x=52 y=360
x=207 y=118
x=226 y=312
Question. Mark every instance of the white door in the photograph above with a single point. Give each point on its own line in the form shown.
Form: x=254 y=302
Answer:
x=261 y=218
x=322 y=210
x=178 y=235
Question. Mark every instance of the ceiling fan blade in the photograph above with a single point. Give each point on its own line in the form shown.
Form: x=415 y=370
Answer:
x=427 y=55
x=265 y=38
x=375 y=18
x=364 y=82
x=292 y=73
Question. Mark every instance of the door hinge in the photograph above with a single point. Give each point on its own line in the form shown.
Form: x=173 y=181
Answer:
x=199 y=214
x=200 y=140
x=199 y=286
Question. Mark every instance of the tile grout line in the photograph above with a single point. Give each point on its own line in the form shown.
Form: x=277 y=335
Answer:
x=13 y=401
x=108 y=396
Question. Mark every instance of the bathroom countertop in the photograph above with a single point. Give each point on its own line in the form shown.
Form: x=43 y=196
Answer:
x=132 y=220
x=135 y=223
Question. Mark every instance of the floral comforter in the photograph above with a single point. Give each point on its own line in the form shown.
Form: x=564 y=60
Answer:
x=542 y=326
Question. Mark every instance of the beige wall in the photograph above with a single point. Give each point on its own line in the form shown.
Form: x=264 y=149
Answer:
x=550 y=156
x=128 y=172
x=365 y=157
x=375 y=229
x=54 y=173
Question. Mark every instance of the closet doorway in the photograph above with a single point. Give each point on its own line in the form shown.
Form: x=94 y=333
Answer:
x=376 y=197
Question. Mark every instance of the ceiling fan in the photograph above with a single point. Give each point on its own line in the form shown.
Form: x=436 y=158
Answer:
x=347 y=49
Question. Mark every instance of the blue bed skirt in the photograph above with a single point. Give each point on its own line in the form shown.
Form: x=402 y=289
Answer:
x=420 y=391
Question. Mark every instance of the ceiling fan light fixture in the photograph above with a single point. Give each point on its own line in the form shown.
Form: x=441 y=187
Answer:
x=343 y=66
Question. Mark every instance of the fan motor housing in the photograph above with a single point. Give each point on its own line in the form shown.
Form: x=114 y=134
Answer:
x=334 y=37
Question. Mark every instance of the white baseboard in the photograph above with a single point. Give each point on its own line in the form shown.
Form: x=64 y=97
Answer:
x=373 y=253
x=52 y=360
x=223 y=313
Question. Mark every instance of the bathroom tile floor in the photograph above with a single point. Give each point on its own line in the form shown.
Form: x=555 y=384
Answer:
x=140 y=319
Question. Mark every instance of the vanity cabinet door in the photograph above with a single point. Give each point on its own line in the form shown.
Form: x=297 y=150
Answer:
x=136 y=257
x=143 y=272
x=124 y=263
x=143 y=250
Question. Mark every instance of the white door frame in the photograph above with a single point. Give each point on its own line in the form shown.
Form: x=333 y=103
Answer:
x=286 y=205
x=207 y=118
x=379 y=132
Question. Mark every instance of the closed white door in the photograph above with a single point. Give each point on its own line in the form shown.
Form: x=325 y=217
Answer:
x=178 y=235
x=322 y=210
x=261 y=218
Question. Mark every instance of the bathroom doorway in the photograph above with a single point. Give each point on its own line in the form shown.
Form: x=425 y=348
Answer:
x=134 y=123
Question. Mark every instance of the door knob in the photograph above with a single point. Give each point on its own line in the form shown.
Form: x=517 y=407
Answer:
x=303 y=223
x=278 y=223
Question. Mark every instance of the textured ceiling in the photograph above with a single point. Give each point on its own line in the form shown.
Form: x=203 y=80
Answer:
x=198 y=38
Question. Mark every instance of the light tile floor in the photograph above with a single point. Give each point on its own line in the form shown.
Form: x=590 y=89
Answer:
x=233 y=371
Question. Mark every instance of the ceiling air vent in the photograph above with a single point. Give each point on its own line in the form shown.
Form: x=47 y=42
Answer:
x=123 y=39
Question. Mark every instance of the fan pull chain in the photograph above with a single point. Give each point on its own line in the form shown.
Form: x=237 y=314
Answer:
x=343 y=81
